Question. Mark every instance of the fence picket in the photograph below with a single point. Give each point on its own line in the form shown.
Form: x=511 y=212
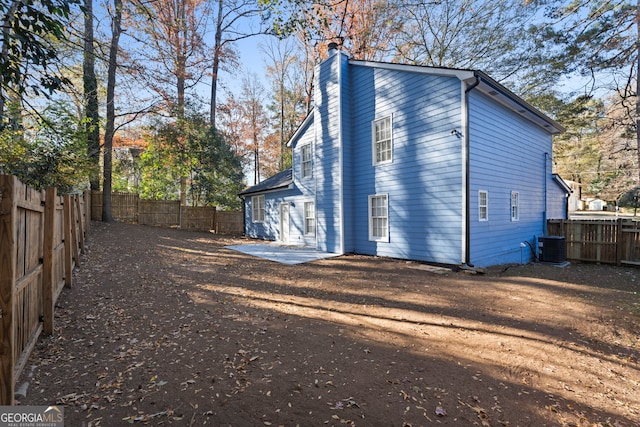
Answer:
x=8 y=220
x=48 y=259
x=168 y=213
x=35 y=256
x=615 y=241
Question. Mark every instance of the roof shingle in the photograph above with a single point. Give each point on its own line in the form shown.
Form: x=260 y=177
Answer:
x=277 y=181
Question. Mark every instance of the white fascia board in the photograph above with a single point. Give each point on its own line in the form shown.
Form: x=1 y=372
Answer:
x=504 y=96
x=487 y=85
x=436 y=71
x=301 y=128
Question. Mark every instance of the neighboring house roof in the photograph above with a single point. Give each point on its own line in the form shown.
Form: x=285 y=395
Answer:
x=561 y=182
x=278 y=181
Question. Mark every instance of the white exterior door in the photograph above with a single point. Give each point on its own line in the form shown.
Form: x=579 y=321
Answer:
x=284 y=222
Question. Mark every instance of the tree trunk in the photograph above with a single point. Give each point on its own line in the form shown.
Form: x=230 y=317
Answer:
x=91 y=98
x=181 y=72
x=256 y=164
x=216 y=65
x=638 y=89
x=181 y=51
x=7 y=24
x=282 y=141
x=110 y=125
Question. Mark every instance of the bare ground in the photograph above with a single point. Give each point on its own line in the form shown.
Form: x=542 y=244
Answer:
x=167 y=327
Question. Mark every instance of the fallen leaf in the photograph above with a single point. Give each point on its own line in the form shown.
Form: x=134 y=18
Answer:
x=440 y=411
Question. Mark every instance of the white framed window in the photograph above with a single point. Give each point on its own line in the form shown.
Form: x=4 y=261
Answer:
x=257 y=208
x=305 y=163
x=309 y=218
x=379 y=218
x=483 y=205
x=515 y=206
x=382 y=140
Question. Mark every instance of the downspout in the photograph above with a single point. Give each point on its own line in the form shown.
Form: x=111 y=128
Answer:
x=244 y=216
x=467 y=165
x=547 y=158
x=340 y=153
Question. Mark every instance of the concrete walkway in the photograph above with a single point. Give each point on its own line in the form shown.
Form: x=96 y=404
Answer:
x=281 y=253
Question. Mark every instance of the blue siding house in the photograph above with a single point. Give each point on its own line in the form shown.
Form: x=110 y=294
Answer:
x=420 y=163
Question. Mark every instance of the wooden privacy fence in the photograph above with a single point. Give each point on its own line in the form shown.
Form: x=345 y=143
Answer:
x=229 y=222
x=615 y=241
x=129 y=207
x=162 y=213
x=41 y=235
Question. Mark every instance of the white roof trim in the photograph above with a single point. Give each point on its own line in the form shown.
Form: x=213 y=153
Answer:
x=561 y=182
x=301 y=128
x=486 y=85
x=450 y=72
x=504 y=96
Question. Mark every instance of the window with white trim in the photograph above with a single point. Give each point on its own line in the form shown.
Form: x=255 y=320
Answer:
x=257 y=208
x=382 y=141
x=305 y=163
x=309 y=218
x=483 y=205
x=515 y=206
x=379 y=218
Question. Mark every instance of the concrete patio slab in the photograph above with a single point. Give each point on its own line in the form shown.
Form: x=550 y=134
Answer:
x=282 y=253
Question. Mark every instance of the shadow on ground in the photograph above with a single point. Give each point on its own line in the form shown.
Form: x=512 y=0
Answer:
x=169 y=327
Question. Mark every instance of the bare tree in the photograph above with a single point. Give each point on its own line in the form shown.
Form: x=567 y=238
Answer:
x=90 y=88
x=174 y=57
x=288 y=100
x=233 y=23
x=116 y=31
x=463 y=34
x=254 y=121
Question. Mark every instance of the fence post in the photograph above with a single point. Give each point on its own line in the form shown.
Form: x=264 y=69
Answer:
x=74 y=230
x=619 y=242
x=80 y=223
x=8 y=218
x=86 y=197
x=68 y=245
x=48 y=286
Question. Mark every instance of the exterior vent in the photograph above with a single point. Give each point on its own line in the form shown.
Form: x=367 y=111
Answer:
x=493 y=93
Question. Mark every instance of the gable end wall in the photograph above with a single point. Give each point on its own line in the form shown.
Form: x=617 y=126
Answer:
x=424 y=181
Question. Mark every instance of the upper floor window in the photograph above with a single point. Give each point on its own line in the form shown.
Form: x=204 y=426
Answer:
x=515 y=206
x=305 y=154
x=257 y=208
x=382 y=141
x=483 y=205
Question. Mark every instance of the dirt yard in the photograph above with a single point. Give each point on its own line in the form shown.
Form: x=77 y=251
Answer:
x=167 y=327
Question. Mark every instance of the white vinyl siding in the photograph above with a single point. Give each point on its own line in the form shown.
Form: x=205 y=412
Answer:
x=306 y=165
x=379 y=218
x=382 y=141
x=257 y=208
x=515 y=206
x=309 y=218
x=483 y=205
